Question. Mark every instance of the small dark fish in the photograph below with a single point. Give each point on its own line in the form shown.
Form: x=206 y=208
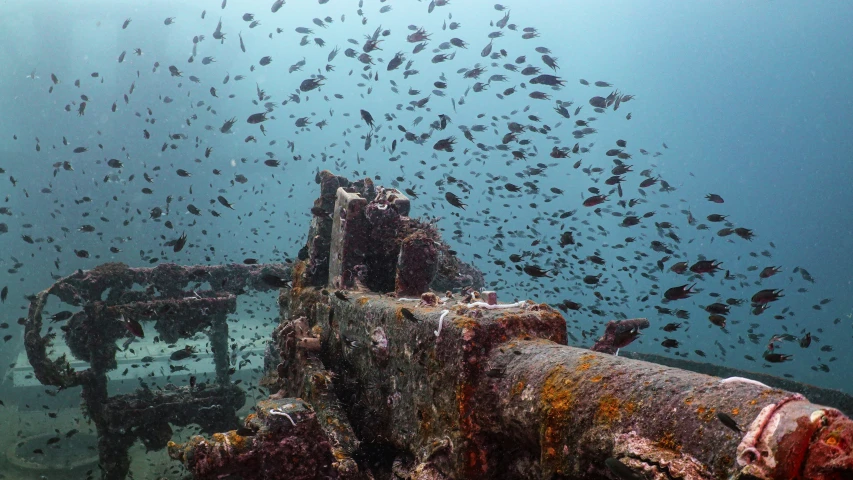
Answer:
x=272 y=163
x=408 y=315
x=52 y=440
x=133 y=326
x=180 y=242
x=245 y=432
x=63 y=315
x=777 y=357
x=535 y=271
x=729 y=422
x=182 y=354
x=679 y=293
x=368 y=118
x=250 y=261
x=454 y=200
x=3 y=294
x=257 y=118
x=275 y=281
x=341 y=295
x=225 y=202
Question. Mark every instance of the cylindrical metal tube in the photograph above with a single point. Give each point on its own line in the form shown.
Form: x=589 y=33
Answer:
x=579 y=407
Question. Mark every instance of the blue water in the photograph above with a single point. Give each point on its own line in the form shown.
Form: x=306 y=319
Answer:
x=751 y=99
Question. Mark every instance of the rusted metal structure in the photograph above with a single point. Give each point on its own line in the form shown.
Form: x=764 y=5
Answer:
x=176 y=312
x=406 y=383
x=390 y=362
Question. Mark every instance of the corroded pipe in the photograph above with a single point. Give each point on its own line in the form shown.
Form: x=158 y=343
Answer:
x=578 y=408
x=498 y=394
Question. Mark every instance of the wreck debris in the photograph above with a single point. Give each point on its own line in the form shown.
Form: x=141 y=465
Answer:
x=500 y=394
x=278 y=432
x=93 y=332
x=372 y=243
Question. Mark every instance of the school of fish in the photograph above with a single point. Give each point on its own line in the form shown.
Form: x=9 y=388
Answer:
x=441 y=113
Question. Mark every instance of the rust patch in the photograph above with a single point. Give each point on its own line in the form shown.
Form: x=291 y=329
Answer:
x=596 y=379
x=611 y=409
x=517 y=388
x=298 y=275
x=465 y=322
x=558 y=399
x=705 y=414
x=362 y=301
x=237 y=441
x=465 y=397
x=668 y=442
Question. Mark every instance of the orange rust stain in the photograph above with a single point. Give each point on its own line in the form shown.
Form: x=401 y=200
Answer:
x=465 y=322
x=558 y=399
x=362 y=301
x=688 y=401
x=517 y=388
x=237 y=441
x=704 y=413
x=832 y=440
x=610 y=409
x=584 y=366
x=298 y=272
x=596 y=379
x=668 y=442
x=735 y=411
x=467 y=424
